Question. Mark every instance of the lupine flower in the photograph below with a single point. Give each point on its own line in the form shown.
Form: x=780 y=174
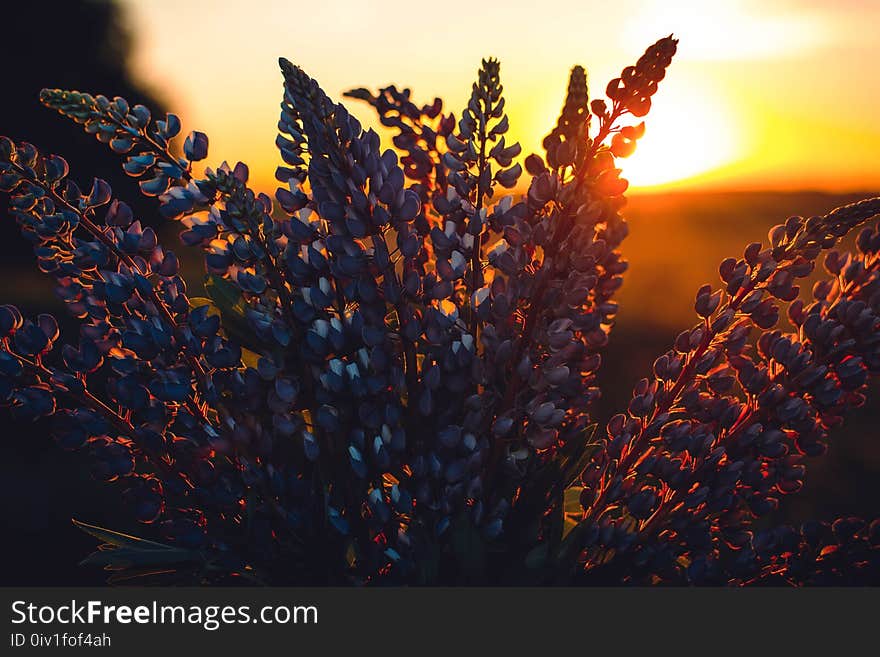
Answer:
x=391 y=378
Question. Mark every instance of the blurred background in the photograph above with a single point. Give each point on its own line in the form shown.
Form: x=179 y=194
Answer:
x=767 y=111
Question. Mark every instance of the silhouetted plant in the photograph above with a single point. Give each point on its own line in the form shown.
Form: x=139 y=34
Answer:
x=93 y=40
x=391 y=379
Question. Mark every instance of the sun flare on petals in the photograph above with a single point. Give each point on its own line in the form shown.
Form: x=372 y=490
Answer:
x=689 y=134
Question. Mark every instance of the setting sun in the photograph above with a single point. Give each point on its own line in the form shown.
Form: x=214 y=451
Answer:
x=749 y=102
x=689 y=135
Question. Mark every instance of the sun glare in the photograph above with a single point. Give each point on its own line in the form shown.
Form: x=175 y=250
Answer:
x=689 y=134
x=733 y=30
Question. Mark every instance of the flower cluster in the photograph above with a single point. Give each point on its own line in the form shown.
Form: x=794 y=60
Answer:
x=391 y=376
x=724 y=425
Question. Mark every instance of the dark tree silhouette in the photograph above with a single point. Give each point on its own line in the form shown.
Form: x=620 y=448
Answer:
x=81 y=45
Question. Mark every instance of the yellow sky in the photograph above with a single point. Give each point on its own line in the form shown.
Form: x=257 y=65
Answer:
x=769 y=95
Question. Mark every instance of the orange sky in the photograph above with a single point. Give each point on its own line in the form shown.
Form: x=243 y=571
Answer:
x=762 y=95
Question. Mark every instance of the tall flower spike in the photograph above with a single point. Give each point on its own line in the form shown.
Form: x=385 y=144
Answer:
x=718 y=434
x=559 y=268
x=479 y=143
x=131 y=131
x=421 y=134
x=568 y=141
x=364 y=370
x=577 y=224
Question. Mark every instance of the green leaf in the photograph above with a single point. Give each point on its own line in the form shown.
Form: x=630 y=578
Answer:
x=571 y=502
x=230 y=304
x=249 y=358
x=225 y=295
x=198 y=302
x=571 y=509
x=118 y=539
x=122 y=551
x=351 y=555
x=576 y=454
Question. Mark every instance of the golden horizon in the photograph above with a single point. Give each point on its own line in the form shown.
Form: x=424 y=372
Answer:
x=757 y=98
